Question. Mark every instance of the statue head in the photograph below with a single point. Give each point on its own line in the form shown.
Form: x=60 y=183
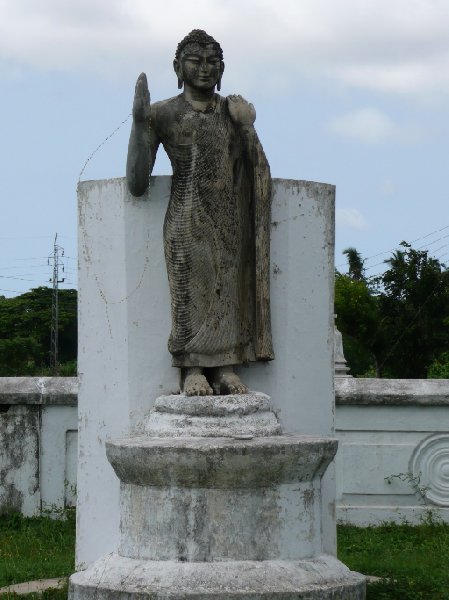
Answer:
x=199 y=60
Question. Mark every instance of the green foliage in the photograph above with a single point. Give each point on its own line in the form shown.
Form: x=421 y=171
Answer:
x=19 y=355
x=397 y=324
x=356 y=269
x=414 y=481
x=36 y=548
x=439 y=368
x=412 y=561
x=25 y=323
x=357 y=318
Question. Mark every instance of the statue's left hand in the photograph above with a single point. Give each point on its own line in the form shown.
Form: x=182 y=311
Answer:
x=242 y=112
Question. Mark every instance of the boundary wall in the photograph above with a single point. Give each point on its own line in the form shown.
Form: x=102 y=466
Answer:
x=392 y=462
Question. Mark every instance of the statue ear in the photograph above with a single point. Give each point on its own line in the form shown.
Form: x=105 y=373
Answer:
x=222 y=67
x=177 y=69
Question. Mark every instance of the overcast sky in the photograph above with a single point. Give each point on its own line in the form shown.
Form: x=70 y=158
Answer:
x=349 y=92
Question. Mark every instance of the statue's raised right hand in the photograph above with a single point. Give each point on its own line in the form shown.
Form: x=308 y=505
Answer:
x=141 y=104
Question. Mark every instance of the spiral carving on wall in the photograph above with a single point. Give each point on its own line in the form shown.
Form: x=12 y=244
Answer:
x=430 y=462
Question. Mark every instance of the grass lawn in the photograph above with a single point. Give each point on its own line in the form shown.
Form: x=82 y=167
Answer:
x=36 y=548
x=413 y=561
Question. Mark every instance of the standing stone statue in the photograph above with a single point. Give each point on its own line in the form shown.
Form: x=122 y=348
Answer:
x=217 y=225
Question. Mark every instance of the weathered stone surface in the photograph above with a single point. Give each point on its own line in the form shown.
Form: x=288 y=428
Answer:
x=213 y=406
x=212 y=416
x=219 y=462
x=39 y=390
x=213 y=499
x=38 y=431
x=203 y=524
x=341 y=368
x=394 y=392
x=118 y=578
x=19 y=459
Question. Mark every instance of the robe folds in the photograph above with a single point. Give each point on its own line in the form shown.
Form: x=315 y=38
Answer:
x=216 y=236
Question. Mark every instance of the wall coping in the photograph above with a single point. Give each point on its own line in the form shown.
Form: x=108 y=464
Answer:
x=391 y=392
x=349 y=391
x=39 y=390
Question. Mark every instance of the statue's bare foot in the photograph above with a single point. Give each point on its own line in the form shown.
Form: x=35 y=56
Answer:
x=230 y=383
x=195 y=384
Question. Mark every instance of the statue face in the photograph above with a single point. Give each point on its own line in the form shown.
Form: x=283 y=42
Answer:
x=200 y=66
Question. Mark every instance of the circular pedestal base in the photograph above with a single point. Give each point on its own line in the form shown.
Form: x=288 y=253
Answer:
x=117 y=578
x=212 y=416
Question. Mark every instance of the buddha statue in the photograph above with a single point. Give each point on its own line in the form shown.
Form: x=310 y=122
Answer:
x=217 y=225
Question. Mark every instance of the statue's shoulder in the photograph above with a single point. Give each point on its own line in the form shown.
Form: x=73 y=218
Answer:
x=164 y=112
x=165 y=107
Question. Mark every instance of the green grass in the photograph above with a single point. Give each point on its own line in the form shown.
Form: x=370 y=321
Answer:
x=412 y=561
x=36 y=548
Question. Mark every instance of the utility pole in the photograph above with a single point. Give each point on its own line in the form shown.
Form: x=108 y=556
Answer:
x=58 y=253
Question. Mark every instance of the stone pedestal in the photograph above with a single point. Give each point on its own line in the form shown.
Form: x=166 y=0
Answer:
x=216 y=503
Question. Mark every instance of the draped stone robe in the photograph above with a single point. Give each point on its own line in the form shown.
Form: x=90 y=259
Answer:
x=216 y=236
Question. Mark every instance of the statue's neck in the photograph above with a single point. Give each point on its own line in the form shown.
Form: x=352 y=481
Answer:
x=199 y=99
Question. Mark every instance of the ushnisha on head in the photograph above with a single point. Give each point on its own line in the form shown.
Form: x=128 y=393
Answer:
x=199 y=61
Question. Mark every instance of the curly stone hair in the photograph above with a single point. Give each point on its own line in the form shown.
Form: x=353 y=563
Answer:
x=198 y=36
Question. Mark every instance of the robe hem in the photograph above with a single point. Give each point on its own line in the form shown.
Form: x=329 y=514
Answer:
x=209 y=361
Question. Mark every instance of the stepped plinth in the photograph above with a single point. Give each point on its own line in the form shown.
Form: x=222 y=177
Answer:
x=217 y=503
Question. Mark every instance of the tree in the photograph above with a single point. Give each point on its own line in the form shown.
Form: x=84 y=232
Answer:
x=439 y=368
x=414 y=309
x=356 y=269
x=25 y=323
x=396 y=324
x=357 y=318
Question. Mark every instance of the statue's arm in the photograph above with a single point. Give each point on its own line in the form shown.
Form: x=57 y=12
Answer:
x=243 y=115
x=143 y=141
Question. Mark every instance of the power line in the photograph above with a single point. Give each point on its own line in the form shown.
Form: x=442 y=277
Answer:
x=32 y=258
x=25 y=237
x=429 y=234
x=89 y=158
x=434 y=242
x=16 y=278
x=365 y=260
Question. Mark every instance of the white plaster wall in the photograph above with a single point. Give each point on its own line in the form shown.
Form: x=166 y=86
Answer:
x=124 y=323
x=58 y=451
x=123 y=361
x=388 y=428
x=300 y=379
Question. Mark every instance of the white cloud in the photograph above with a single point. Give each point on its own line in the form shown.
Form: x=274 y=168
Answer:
x=350 y=218
x=393 y=47
x=367 y=125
